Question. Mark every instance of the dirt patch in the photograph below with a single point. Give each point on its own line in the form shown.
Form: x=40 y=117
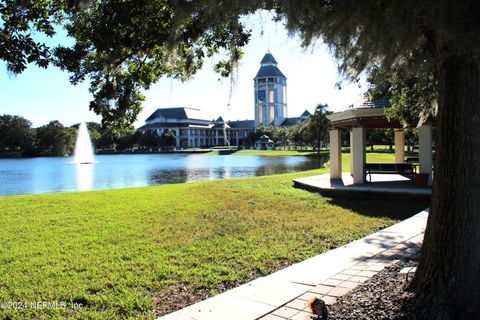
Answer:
x=382 y=297
x=173 y=299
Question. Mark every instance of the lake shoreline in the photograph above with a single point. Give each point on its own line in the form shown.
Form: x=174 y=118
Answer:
x=212 y=151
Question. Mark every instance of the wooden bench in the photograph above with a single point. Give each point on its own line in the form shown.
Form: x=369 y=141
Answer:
x=411 y=159
x=405 y=169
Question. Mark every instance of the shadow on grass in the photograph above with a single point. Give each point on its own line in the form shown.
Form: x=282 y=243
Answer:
x=225 y=152
x=321 y=154
x=394 y=209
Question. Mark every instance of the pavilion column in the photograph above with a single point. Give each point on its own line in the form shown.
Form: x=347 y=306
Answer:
x=351 y=152
x=335 y=154
x=216 y=137
x=236 y=137
x=358 y=155
x=399 y=146
x=189 y=139
x=425 y=150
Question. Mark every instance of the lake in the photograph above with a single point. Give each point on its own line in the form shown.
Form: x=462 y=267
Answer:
x=46 y=175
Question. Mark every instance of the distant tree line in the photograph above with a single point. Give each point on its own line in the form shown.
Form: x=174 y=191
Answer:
x=19 y=138
x=314 y=132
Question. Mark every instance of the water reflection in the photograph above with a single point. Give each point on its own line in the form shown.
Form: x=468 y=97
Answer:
x=285 y=167
x=84 y=175
x=165 y=176
x=229 y=169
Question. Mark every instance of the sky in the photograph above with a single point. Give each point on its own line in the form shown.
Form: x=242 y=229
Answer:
x=42 y=95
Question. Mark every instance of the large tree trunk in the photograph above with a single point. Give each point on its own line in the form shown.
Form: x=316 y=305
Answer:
x=447 y=282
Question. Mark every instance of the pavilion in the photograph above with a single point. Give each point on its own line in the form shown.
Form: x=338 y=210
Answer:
x=371 y=115
x=264 y=143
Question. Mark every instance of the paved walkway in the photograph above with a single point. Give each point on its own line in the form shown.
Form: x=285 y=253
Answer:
x=283 y=294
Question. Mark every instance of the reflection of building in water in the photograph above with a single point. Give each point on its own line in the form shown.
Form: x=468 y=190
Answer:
x=192 y=131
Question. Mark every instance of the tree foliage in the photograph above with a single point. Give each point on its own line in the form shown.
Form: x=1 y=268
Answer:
x=284 y=136
x=295 y=134
x=19 y=20
x=16 y=134
x=146 y=40
x=121 y=47
x=316 y=130
x=55 y=139
x=260 y=131
x=280 y=136
x=412 y=100
x=18 y=138
x=22 y=20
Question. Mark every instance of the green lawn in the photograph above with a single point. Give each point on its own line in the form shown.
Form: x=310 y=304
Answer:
x=384 y=155
x=372 y=157
x=141 y=252
x=268 y=152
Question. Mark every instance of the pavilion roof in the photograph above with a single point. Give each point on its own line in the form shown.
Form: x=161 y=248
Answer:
x=369 y=114
x=362 y=117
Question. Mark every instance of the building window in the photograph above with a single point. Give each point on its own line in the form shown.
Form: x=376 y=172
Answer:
x=261 y=95
x=271 y=97
x=260 y=112
x=265 y=115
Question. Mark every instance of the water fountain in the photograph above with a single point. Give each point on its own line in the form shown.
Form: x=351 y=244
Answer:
x=225 y=139
x=83 y=153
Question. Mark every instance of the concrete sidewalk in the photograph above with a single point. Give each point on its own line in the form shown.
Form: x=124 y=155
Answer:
x=283 y=294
